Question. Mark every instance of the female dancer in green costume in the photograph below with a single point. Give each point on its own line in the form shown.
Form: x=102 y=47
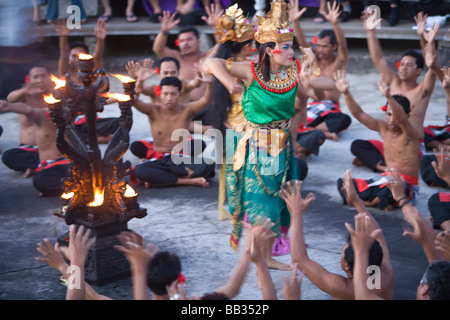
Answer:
x=263 y=160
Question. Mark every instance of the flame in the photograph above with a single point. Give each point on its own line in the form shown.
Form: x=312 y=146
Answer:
x=84 y=56
x=98 y=198
x=123 y=79
x=129 y=192
x=118 y=96
x=67 y=196
x=58 y=82
x=50 y=99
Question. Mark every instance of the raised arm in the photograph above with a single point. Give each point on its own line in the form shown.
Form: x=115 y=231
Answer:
x=237 y=278
x=333 y=17
x=375 y=50
x=294 y=17
x=32 y=114
x=76 y=253
x=139 y=257
x=342 y=85
x=353 y=198
x=168 y=22
x=362 y=239
x=220 y=68
x=422 y=232
x=64 y=49
x=52 y=256
x=100 y=34
x=442 y=165
x=258 y=234
x=144 y=107
x=446 y=86
x=399 y=113
x=197 y=106
x=331 y=283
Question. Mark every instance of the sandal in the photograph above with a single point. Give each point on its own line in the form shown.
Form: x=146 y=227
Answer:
x=105 y=17
x=320 y=18
x=131 y=18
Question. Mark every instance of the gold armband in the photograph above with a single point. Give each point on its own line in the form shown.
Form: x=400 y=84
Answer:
x=229 y=64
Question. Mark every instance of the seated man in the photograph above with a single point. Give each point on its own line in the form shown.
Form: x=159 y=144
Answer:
x=165 y=67
x=400 y=145
x=331 y=54
x=54 y=167
x=25 y=157
x=405 y=81
x=169 y=162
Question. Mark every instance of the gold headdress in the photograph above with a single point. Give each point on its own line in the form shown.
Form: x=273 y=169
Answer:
x=274 y=26
x=232 y=25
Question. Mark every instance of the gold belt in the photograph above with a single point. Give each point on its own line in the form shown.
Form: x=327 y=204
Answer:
x=271 y=136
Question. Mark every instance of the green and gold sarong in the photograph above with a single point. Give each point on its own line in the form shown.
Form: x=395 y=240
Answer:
x=263 y=157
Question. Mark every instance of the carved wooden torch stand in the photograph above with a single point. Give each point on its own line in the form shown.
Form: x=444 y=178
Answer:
x=96 y=195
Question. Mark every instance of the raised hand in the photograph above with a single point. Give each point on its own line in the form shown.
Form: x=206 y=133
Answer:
x=168 y=22
x=79 y=244
x=340 y=82
x=442 y=244
x=348 y=188
x=384 y=85
x=333 y=13
x=61 y=28
x=132 y=68
x=442 y=166
x=363 y=236
x=421 y=20
x=4 y=106
x=145 y=70
x=132 y=245
x=100 y=29
x=369 y=20
x=293 y=12
x=292 y=285
x=396 y=185
x=259 y=234
x=212 y=14
x=291 y=194
x=430 y=35
x=51 y=255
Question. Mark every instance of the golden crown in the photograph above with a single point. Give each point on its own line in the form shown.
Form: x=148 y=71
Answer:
x=274 y=26
x=232 y=25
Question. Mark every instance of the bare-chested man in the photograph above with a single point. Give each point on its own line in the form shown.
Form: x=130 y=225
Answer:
x=404 y=82
x=323 y=112
x=400 y=144
x=53 y=167
x=165 y=67
x=188 y=54
x=167 y=166
x=25 y=158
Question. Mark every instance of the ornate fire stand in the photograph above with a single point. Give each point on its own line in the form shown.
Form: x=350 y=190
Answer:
x=96 y=194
